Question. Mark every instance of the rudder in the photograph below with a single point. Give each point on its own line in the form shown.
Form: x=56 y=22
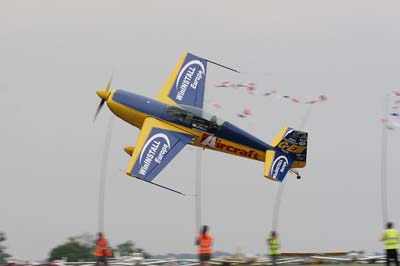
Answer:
x=294 y=144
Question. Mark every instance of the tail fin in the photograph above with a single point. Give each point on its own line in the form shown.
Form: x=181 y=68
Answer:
x=290 y=151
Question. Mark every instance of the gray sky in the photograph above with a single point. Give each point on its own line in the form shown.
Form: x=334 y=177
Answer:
x=56 y=54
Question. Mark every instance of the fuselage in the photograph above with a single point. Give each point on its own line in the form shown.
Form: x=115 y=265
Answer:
x=208 y=131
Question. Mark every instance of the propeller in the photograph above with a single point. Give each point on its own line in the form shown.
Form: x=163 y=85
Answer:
x=103 y=94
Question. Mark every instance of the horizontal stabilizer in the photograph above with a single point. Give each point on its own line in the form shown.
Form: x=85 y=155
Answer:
x=277 y=164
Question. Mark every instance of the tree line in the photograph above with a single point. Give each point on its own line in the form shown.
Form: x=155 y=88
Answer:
x=77 y=248
x=3 y=255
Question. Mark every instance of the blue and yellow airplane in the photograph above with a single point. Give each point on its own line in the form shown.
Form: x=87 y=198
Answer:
x=176 y=118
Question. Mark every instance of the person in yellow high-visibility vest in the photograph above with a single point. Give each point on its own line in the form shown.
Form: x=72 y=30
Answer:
x=391 y=239
x=273 y=244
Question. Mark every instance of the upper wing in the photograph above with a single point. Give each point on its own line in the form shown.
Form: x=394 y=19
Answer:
x=157 y=145
x=186 y=83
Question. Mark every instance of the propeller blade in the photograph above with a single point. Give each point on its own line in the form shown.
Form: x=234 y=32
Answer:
x=103 y=94
x=109 y=84
x=98 y=109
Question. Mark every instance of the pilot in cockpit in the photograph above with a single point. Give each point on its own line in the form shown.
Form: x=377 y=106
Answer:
x=213 y=126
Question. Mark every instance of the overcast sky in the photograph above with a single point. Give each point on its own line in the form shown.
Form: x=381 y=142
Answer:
x=54 y=55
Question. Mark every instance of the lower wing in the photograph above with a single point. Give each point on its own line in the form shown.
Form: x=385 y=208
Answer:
x=157 y=145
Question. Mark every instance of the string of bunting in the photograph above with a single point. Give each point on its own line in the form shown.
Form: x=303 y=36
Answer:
x=250 y=88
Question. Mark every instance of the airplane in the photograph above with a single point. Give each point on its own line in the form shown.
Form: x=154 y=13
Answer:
x=137 y=258
x=350 y=257
x=339 y=257
x=257 y=261
x=176 y=118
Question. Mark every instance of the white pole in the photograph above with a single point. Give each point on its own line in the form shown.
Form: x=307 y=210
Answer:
x=384 y=143
x=198 y=188
x=278 y=197
x=103 y=173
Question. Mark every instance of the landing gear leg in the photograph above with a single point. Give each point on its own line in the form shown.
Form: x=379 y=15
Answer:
x=295 y=172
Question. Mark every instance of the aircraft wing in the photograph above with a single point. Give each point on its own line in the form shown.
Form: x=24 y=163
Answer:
x=186 y=84
x=158 y=143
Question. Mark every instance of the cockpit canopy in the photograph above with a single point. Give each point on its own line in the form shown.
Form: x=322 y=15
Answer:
x=196 y=118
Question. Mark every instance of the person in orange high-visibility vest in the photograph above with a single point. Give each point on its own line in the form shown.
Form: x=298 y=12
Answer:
x=204 y=241
x=102 y=250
